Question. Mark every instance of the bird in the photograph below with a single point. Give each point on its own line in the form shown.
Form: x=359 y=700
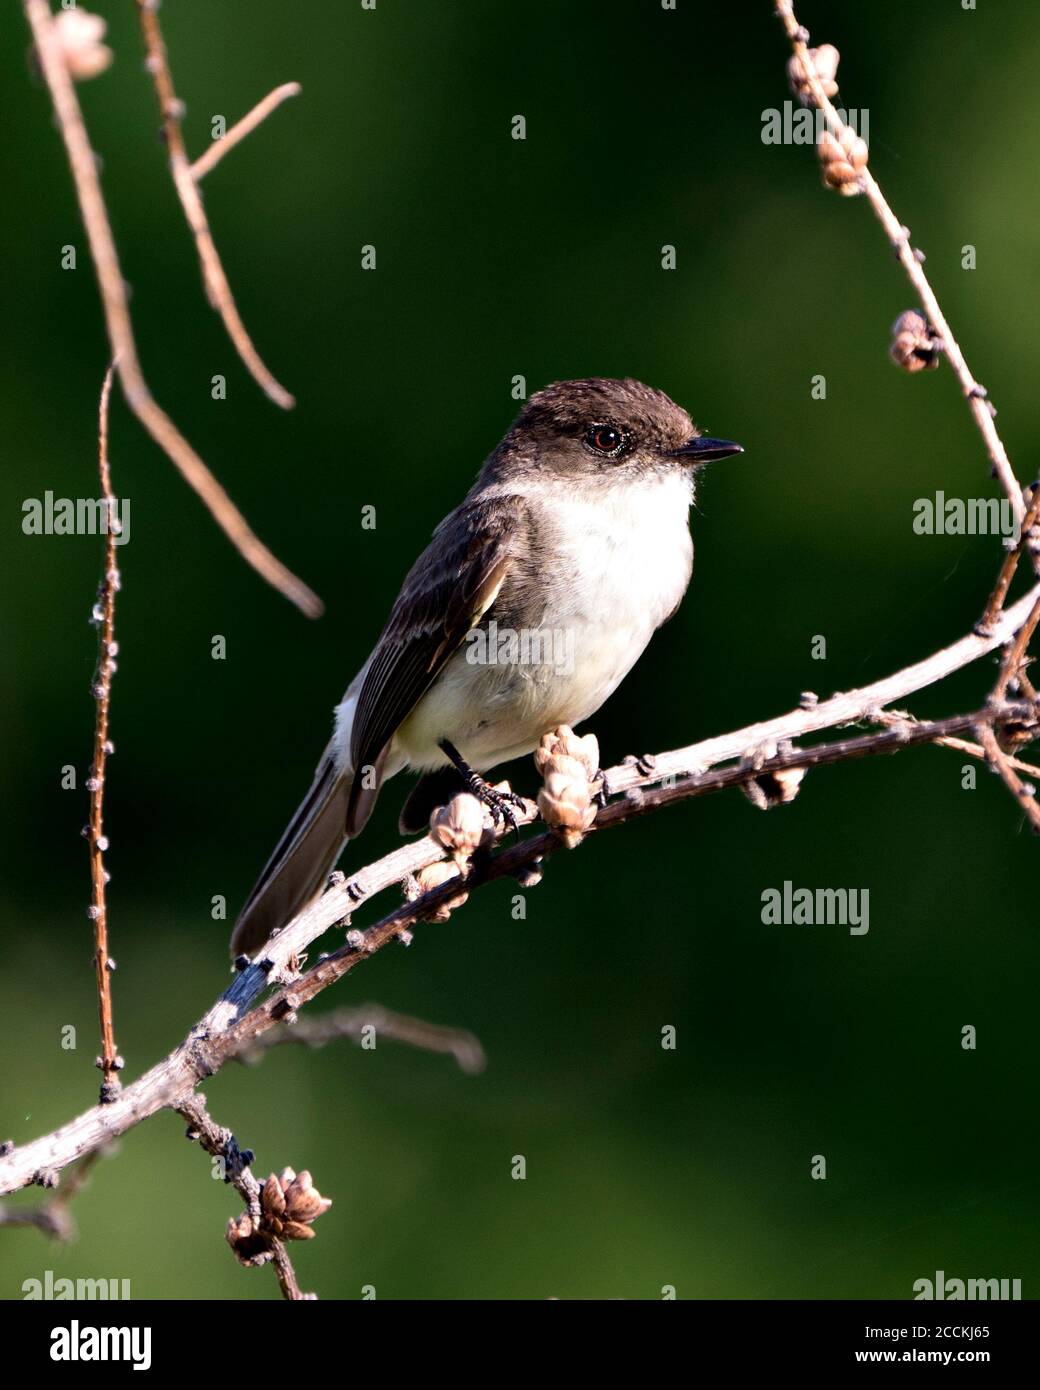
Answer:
x=534 y=599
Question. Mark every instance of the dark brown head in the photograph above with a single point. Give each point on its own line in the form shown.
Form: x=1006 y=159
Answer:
x=605 y=429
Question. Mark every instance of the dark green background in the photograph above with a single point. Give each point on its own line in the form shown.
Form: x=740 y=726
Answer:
x=495 y=257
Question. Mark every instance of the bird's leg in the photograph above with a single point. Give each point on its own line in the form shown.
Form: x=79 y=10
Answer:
x=500 y=804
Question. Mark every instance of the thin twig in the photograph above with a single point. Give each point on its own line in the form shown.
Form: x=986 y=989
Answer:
x=120 y=329
x=1009 y=669
x=54 y=1217
x=959 y=745
x=1007 y=570
x=1024 y=794
x=227 y=142
x=911 y=261
x=353 y=1022
x=218 y=291
x=287 y=1281
x=105 y=614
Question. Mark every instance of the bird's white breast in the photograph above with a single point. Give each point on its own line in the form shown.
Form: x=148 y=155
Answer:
x=618 y=562
x=629 y=552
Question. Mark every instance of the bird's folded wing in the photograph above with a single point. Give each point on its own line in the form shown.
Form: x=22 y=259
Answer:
x=449 y=589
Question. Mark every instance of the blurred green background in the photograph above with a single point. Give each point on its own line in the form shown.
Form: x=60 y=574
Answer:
x=496 y=257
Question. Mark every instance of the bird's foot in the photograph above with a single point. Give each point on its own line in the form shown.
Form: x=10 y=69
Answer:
x=499 y=801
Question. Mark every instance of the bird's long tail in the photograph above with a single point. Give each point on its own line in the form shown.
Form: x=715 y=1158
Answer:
x=302 y=859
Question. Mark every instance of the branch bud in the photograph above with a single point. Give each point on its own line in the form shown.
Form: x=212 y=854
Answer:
x=460 y=826
x=825 y=61
x=914 y=346
x=564 y=742
x=79 y=36
x=430 y=877
x=842 y=161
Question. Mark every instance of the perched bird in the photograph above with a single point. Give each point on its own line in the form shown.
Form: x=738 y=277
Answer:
x=532 y=602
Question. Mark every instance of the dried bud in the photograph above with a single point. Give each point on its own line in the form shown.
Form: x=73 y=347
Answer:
x=432 y=876
x=288 y=1205
x=774 y=788
x=573 y=768
x=915 y=346
x=564 y=742
x=842 y=161
x=824 y=61
x=565 y=800
x=80 y=35
x=529 y=875
x=245 y=1240
x=460 y=826
x=789 y=779
x=1016 y=734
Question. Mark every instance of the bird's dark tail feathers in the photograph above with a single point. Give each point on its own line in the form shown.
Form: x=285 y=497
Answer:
x=301 y=862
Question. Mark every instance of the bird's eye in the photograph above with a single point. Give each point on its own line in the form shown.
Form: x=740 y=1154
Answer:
x=605 y=439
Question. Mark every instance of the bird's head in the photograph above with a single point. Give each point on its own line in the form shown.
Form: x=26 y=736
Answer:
x=600 y=432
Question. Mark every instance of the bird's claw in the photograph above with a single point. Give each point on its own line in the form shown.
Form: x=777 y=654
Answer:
x=500 y=804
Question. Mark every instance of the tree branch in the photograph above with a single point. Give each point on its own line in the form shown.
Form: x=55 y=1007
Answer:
x=221 y=1144
x=1027 y=539
x=352 y=1023
x=231 y=1027
x=1024 y=793
x=218 y=291
x=1016 y=652
x=104 y=614
x=54 y=1217
x=238 y=132
x=912 y=262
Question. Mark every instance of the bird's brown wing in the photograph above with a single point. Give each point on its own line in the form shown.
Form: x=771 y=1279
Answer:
x=451 y=586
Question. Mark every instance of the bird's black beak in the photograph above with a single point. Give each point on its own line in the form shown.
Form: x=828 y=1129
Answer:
x=704 y=449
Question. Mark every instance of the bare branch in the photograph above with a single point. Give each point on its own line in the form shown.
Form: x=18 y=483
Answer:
x=104 y=614
x=120 y=329
x=54 y=1217
x=218 y=291
x=1026 y=539
x=351 y=1023
x=238 y=132
x=1024 y=793
x=227 y=1030
x=911 y=261
x=48 y=1217
x=221 y=1143
x=1009 y=670
x=959 y=745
